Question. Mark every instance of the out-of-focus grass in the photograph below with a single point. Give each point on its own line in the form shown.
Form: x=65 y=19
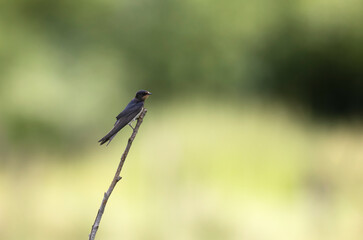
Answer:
x=197 y=170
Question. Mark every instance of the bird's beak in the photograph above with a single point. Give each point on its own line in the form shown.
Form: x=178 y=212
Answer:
x=148 y=93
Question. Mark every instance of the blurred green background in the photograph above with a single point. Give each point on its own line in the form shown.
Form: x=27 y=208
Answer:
x=254 y=129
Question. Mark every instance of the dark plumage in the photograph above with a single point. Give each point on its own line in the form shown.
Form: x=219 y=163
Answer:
x=128 y=115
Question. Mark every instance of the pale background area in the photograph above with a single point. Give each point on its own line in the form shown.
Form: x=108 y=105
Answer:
x=254 y=129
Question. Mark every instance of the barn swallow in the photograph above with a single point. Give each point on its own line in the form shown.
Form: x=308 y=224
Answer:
x=127 y=116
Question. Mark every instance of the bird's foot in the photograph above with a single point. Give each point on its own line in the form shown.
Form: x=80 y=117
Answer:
x=131 y=126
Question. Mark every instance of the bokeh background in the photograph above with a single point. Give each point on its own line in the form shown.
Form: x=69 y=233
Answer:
x=254 y=129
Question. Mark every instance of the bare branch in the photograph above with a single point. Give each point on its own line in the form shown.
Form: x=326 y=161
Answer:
x=116 y=178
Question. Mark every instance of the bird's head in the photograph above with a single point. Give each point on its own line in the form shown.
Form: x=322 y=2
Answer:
x=142 y=95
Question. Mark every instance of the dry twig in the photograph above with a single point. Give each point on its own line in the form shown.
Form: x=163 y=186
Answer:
x=116 y=178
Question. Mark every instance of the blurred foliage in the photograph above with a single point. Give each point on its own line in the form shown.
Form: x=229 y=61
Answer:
x=308 y=51
x=64 y=63
x=231 y=147
x=324 y=74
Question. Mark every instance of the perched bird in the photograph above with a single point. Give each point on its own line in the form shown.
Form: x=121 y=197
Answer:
x=127 y=116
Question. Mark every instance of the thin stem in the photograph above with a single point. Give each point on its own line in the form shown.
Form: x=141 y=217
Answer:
x=116 y=178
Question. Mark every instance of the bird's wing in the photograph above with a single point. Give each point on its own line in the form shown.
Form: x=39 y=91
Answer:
x=130 y=111
x=128 y=114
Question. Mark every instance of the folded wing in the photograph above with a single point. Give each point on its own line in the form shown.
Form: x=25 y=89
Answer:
x=126 y=116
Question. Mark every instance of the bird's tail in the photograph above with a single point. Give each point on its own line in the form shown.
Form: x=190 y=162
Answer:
x=109 y=136
x=104 y=140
